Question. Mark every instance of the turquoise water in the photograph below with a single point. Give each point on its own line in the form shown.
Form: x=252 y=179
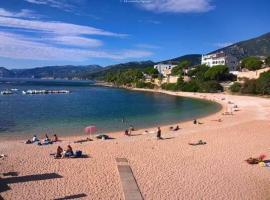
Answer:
x=68 y=114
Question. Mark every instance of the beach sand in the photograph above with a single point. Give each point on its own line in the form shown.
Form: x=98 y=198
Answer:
x=164 y=169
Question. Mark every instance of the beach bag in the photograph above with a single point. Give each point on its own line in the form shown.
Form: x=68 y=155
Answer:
x=78 y=153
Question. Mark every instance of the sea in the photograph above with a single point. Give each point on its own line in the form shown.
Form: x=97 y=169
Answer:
x=109 y=109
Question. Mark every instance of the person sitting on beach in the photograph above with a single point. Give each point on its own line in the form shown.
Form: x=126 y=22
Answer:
x=68 y=152
x=195 y=121
x=126 y=132
x=59 y=152
x=35 y=139
x=176 y=128
x=46 y=138
x=55 y=138
x=159 y=133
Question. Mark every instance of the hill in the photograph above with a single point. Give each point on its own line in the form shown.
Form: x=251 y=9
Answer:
x=122 y=66
x=6 y=73
x=195 y=59
x=56 y=72
x=259 y=46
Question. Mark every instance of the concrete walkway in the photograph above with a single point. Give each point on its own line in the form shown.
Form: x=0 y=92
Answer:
x=129 y=184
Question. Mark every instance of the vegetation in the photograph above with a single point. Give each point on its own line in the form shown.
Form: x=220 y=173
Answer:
x=198 y=72
x=251 y=63
x=124 y=77
x=151 y=71
x=142 y=84
x=260 y=86
x=236 y=87
x=263 y=83
x=218 y=73
x=267 y=61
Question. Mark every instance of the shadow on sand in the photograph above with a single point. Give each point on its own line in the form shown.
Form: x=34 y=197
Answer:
x=21 y=179
x=76 y=196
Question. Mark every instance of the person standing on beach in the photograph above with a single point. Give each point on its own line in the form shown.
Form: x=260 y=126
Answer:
x=159 y=133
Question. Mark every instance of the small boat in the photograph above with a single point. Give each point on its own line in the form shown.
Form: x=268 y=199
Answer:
x=6 y=92
x=14 y=89
x=46 y=92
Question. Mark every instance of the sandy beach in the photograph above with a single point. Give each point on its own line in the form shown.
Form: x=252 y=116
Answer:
x=164 y=169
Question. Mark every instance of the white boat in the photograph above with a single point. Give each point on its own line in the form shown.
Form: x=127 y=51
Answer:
x=46 y=92
x=6 y=92
x=14 y=89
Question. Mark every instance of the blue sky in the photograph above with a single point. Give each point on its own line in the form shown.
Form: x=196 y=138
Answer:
x=36 y=33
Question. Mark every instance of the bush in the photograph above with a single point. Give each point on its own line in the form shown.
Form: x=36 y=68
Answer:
x=210 y=86
x=251 y=63
x=249 y=87
x=217 y=73
x=235 y=87
x=191 y=86
x=263 y=83
x=141 y=84
x=170 y=86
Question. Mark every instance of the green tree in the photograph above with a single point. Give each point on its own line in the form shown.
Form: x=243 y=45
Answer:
x=263 y=83
x=210 y=86
x=251 y=63
x=267 y=61
x=198 y=72
x=177 y=71
x=151 y=71
x=236 y=87
x=185 y=64
x=218 y=73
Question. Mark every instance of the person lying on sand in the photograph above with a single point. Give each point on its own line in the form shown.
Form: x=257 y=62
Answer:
x=217 y=120
x=253 y=161
x=200 y=142
x=176 y=128
x=83 y=140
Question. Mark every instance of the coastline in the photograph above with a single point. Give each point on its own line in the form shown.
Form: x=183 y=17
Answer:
x=164 y=169
x=200 y=96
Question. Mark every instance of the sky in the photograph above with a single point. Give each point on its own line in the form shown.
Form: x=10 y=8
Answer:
x=35 y=33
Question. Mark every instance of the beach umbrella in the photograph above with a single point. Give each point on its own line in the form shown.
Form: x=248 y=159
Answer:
x=90 y=129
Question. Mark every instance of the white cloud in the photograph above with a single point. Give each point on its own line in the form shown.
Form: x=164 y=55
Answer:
x=223 y=44
x=177 y=6
x=77 y=41
x=51 y=40
x=21 y=47
x=54 y=27
x=61 y=4
x=24 y=13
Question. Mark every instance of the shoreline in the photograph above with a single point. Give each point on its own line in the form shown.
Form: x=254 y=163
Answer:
x=200 y=96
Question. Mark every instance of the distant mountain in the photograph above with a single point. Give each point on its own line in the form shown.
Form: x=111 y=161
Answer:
x=6 y=73
x=61 y=72
x=121 y=66
x=195 y=59
x=259 y=46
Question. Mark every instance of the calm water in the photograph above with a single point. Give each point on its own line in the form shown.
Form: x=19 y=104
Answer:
x=87 y=105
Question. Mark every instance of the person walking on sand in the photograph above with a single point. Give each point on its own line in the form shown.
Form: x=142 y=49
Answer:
x=159 y=133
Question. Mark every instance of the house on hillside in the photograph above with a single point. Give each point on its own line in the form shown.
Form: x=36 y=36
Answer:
x=164 y=69
x=220 y=58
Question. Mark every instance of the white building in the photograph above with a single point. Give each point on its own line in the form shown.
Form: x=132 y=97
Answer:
x=220 y=58
x=164 y=69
